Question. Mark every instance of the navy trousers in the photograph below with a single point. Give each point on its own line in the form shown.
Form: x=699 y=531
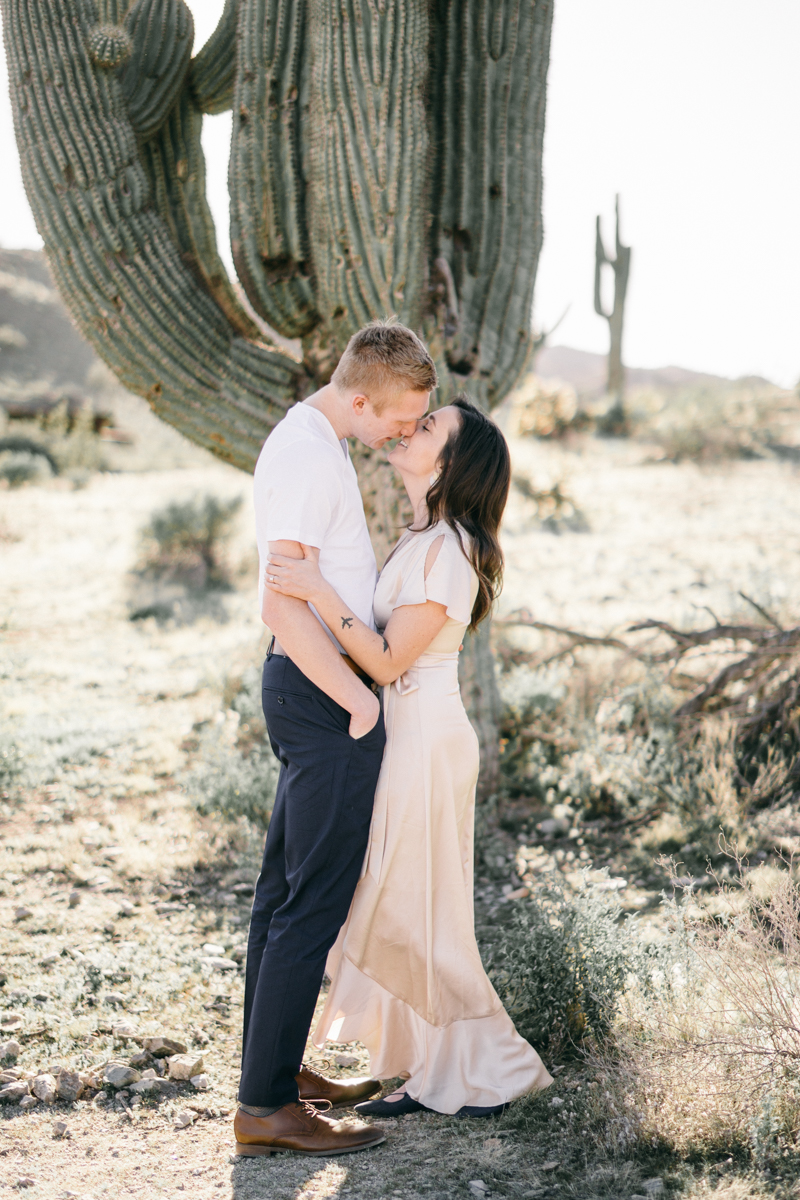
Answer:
x=314 y=851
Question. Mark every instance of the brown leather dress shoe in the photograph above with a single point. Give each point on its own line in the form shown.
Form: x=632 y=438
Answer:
x=299 y=1127
x=340 y=1093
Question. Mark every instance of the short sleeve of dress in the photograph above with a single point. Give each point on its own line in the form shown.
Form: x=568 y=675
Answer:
x=451 y=581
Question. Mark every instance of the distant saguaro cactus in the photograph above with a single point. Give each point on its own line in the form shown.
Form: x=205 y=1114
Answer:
x=386 y=157
x=620 y=265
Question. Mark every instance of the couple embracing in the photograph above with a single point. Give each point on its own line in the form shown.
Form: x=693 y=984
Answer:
x=367 y=868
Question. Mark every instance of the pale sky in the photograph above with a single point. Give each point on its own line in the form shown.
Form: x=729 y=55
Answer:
x=690 y=109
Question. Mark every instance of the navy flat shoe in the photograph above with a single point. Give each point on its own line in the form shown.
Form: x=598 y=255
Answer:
x=387 y=1108
x=472 y=1111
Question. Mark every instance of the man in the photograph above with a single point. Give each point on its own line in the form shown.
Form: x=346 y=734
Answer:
x=325 y=726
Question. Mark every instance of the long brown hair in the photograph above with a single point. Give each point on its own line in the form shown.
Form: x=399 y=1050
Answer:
x=470 y=494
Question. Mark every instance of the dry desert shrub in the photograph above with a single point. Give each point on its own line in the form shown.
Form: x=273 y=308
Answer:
x=183 y=566
x=235 y=773
x=184 y=542
x=712 y=424
x=544 y=408
x=705 y=1057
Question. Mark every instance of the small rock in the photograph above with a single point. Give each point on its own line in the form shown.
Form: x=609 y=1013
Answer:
x=120 y=1075
x=126 y=907
x=21 y=913
x=12 y=1093
x=74 y=899
x=49 y=960
x=550 y=1166
x=28 y=1102
x=26 y=1181
x=518 y=894
x=20 y=994
x=477 y=1187
x=345 y=1060
x=201 y=1083
x=115 y=999
x=123 y=1029
x=212 y=948
x=218 y=964
x=11 y=1020
x=150 y=1084
x=10 y=1049
x=60 y=1129
x=41 y=996
x=44 y=1086
x=239 y=954
x=163 y=1047
x=141 y=1060
x=68 y=1085
x=184 y=1066
x=185 y=1118
x=10 y=1075
x=654 y=1186
x=556 y=1102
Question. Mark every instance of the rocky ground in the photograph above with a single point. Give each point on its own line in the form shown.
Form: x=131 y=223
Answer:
x=123 y=914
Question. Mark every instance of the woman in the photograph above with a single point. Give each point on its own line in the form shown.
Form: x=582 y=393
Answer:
x=406 y=974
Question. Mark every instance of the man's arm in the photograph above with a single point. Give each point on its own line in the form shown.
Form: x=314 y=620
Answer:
x=311 y=650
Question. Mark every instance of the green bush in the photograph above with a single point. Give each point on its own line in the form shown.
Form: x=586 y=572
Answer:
x=561 y=966
x=183 y=543
x=235 y=772
x=230 y=785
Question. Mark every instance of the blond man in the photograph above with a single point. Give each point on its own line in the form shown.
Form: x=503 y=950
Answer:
x=326 y=728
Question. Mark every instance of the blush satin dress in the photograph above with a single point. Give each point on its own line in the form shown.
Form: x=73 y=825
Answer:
x=406 y=975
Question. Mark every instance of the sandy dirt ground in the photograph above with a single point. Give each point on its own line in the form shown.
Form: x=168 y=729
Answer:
x=111 y=703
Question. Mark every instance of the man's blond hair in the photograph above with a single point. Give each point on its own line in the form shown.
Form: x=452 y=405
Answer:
x=382 y=359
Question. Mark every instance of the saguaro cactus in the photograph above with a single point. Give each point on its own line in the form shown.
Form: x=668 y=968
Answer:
x=386 y=157
x=620 y=264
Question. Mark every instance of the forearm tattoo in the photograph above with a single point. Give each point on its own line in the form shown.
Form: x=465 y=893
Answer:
x=347 y=622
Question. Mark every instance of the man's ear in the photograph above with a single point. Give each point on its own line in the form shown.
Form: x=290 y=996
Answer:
x=359 y=403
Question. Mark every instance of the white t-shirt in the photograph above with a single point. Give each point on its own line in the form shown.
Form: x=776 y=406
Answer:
x=306 y=490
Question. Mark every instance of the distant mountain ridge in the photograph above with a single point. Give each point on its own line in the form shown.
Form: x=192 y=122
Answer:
x=587 y=372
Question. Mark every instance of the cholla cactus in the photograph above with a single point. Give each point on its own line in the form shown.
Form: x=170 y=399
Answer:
x=386 y=157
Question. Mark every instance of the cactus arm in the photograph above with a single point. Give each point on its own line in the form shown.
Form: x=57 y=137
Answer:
x=112 y=255
x=175 y=163
x=161 y=34
x=269 y=236
x=368 y=161
x=213 y=70
x=599 y=260
x=490 y=68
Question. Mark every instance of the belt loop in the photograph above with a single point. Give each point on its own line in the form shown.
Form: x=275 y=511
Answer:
x=270 y=647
